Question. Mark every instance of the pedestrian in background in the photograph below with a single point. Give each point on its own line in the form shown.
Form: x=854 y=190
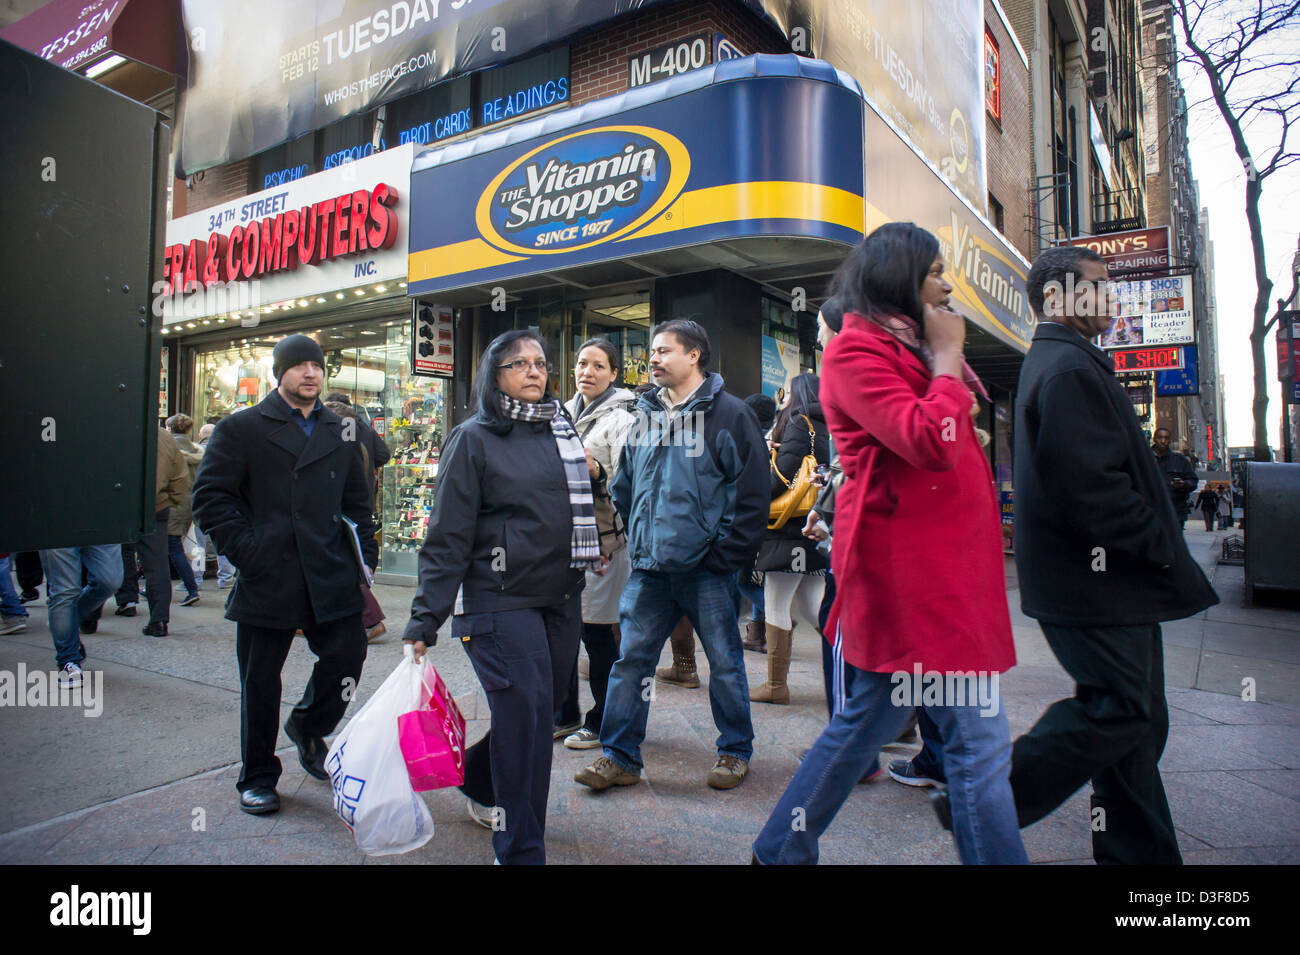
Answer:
x=1180 y=476
x=794 y=571
x=511 y=534
x=13 y=615
x=750 y=580
x=27 y=568
x=1207 y=502
x=274 y=486
x=225 y=570
x=1102 y=561
x=69 y=601
x=691 y=487
x=917 y=549
x=372 y=616
x=180 y=516
x=377 y=450
x=1225 y=509
x=819 y=526
x=172 y=487
x=601 y=416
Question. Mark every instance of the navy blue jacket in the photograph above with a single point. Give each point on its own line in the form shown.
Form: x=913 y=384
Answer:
x=694 y=492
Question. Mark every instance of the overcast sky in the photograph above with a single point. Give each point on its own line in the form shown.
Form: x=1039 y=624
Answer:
x=1223 y=191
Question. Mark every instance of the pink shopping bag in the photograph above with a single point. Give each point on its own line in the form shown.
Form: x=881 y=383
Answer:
x=432 y=738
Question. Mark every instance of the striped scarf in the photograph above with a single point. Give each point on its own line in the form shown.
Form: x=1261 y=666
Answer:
x=584 y=547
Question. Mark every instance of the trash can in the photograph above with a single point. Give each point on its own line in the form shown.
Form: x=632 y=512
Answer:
x=1272 y=527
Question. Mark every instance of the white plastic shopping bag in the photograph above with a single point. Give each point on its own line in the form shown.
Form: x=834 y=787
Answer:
x=372 y=789
x=197 y=556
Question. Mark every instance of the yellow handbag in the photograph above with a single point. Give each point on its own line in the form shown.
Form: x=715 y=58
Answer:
x=801 y=492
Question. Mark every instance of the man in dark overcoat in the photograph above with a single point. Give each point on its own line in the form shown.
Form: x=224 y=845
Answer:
x=274 y=487
x=1179 y=474
x=1102 y=562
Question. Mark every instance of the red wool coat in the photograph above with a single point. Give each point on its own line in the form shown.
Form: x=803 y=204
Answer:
x=917 y=549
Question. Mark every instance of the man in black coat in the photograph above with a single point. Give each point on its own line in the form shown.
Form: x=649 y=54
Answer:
x=1180 y=476
x=377 y=451
x=274 y=487
x=1102 y=562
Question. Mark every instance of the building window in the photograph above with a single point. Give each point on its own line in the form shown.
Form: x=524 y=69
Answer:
x=996 y=214
x=992 y=77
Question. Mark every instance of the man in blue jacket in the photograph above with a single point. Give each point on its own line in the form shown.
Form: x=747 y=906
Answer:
x=692 y=488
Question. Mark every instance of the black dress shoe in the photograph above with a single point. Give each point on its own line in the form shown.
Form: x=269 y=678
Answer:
x=27 y=596
x=127 y=611
x=259 y=800
x=942 y=807
x=311 y=752
x=155 y=630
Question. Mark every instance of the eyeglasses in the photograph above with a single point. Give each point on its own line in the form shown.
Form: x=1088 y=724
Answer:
x=523 y=364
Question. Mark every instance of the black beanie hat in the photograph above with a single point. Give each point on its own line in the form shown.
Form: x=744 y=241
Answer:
x=295 y=350
x=832 y=312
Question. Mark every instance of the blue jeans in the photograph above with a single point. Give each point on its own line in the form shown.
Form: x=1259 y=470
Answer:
x=68 y=602
x=181 y=564
x=225 y=571
x=978 y=764
x=651 y=605
x=929 y=761
x=751 y=592
x=10 y=605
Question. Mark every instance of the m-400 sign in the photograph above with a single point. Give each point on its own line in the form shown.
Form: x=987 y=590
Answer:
x=669 y=60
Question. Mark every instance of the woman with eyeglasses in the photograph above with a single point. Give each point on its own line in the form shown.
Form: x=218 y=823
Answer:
x=920 y=611
x=511 y=535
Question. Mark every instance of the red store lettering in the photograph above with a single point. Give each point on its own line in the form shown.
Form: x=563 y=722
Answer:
x=346 y=225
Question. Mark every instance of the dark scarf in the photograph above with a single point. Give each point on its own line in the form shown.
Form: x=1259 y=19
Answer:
x=585 y=408
x=584 y=546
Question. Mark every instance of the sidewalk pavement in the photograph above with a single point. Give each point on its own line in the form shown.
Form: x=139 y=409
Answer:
x=152 y=778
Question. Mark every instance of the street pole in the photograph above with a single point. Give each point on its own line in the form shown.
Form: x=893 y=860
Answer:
x=1286 y=424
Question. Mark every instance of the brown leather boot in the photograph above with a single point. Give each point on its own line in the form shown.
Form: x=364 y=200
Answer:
x=775 y=690
x=755 y=637
x=682 y=672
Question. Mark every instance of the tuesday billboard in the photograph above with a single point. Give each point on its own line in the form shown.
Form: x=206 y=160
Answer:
x=262 y=74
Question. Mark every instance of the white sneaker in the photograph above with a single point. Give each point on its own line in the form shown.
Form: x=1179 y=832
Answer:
x=70 y=675
x=583 y=739
x=480 y=813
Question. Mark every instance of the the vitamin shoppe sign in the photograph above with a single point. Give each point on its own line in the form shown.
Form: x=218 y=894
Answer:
x=341 y=229
x=344 y=225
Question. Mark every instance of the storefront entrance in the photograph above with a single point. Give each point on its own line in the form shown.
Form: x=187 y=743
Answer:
x=624 y=321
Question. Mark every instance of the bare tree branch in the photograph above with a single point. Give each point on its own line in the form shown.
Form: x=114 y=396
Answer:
x=1227 y=58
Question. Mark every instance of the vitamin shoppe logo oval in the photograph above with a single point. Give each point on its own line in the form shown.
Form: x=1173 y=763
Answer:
x=583 y=189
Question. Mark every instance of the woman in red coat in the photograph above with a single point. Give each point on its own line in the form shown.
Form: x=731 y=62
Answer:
x=921 y=606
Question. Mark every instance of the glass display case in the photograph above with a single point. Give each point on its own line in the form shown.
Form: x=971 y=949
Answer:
x=370 y=363
x=415 y=421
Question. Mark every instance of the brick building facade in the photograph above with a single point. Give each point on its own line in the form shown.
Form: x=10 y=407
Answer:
x=1007 y=139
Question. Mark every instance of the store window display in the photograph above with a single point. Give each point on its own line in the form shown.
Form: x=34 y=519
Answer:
x=369 y=362
x=233 y=377
x=415 y=420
